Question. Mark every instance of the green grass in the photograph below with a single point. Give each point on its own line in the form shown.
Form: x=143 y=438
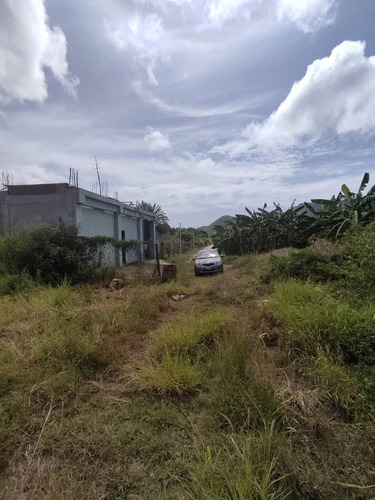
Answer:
x=173 y=374
x=187 y=332
x=177 y=349
x=316 y=319
x=243 y=467
x=133 y=395
x=240 y=398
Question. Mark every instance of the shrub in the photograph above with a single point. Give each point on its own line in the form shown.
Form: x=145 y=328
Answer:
x=52 y=254
x=11 y=284
x=356 y=260
x=348 y=266
x=307 y=264
x=315 y=319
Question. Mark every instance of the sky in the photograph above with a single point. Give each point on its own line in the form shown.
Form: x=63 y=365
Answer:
x=204 y=107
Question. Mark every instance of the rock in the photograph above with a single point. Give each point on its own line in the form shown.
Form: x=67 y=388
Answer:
x=179 y=297
x=116 y=284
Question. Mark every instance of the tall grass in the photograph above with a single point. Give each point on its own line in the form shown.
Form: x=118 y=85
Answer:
x=240 y=398
x=52 y=339
x=242 y=468
x=185 y=333
x=176 y=350
x=173 y=374
x=316 y=319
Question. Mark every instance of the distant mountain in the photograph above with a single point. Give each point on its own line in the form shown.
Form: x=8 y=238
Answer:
x=221 y=221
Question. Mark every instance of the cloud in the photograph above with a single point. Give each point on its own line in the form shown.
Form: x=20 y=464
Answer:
x=157 y=141
x=308 y=15
x=163 y=4
x=155 y=32
x=142 y=37
x=222 y=11
x=27 y=46
x=335 y=95
x=194 y=112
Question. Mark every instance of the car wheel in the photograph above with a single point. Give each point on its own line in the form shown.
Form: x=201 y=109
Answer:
x=196 y=273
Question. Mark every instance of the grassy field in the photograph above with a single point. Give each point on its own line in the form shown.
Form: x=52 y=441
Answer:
x=229 y=393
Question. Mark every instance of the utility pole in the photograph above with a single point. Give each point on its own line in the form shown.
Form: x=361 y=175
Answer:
x=97 y=172
x=180 y=240
x=193 y=239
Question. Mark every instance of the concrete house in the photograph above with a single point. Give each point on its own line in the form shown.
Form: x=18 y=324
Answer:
x=25 y=206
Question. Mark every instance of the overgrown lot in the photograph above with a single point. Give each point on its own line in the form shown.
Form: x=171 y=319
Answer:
x=258 y=384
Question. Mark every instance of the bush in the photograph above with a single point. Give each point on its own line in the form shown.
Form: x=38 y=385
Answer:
x=349 y=266
x=315 y=319
x=52 y=254
x=11 y=284
x=356 y=261
x=307 y=264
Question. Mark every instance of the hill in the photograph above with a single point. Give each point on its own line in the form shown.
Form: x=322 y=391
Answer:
x=221 y=221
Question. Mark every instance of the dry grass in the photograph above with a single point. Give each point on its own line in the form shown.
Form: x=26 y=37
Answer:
x=219 y=406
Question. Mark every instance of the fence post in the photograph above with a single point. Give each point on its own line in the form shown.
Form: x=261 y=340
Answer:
x=158 y=260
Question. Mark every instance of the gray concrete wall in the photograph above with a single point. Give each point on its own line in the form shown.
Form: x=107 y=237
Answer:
x=27 y=206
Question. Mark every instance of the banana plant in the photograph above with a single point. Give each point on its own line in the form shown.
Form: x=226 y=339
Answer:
x=343 y=211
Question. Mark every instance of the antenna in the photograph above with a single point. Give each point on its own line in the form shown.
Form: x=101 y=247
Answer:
x=73 y=177
x=97 y=173
x=6 y=179
x=104 y=189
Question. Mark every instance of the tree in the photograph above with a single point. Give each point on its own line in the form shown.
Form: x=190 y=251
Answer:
x=162 y=221
x=343 y=211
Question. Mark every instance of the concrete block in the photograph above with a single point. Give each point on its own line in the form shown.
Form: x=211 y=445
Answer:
x=168 y=272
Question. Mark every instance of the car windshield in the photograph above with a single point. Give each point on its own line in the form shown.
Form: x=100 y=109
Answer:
x=207 y=254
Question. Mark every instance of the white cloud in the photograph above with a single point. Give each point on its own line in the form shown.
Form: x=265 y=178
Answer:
x=308 y=15
x=142 y=36
x=336 y=94
x=163 y=4
x=157 y=141
x=27 y=46
x=224 y=109
x=158 y=30
x=221 y=11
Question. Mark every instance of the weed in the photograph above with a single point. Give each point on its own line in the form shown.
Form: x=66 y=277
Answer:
x=314 y=319
x=174 y=374
x=242 y=468
x=177 y=349
x=339 y=384
x=11 y=284
x=239 y=399
x=187 y=332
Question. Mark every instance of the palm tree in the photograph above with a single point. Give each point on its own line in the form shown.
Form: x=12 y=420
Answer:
x=162 y=221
